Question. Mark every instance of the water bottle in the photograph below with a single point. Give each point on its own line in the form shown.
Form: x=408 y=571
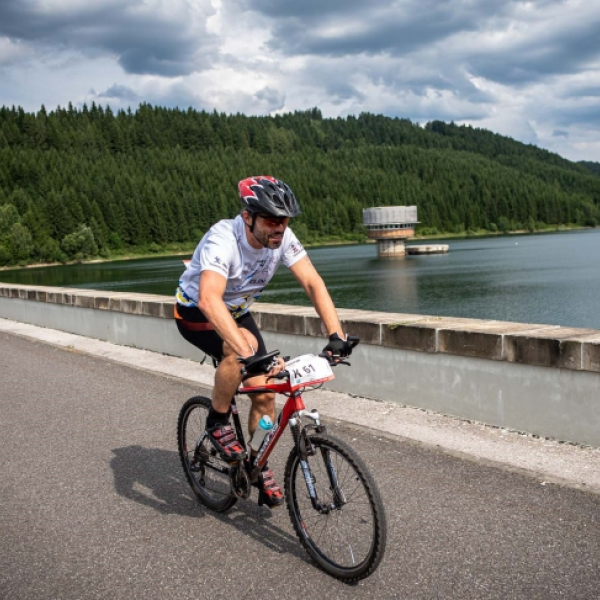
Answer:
x=264 y=426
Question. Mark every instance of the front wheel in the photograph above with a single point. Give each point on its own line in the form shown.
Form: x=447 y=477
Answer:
x=206 y=472
x=346 y=534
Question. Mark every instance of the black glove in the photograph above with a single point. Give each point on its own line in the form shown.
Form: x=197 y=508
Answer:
x=338 y=347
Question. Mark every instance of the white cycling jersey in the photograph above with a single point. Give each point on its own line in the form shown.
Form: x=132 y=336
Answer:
x=224 y=249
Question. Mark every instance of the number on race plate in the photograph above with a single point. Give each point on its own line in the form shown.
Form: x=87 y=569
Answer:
x=308 y=369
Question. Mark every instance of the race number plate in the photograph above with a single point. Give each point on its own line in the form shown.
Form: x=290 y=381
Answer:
x=308 y=369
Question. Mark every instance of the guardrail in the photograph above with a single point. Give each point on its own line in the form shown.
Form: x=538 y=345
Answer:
x=541 y=379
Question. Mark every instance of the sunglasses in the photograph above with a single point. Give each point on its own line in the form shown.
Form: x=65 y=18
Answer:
x=274 y=221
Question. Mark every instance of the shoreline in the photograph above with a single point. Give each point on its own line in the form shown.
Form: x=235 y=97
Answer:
x=440 y=236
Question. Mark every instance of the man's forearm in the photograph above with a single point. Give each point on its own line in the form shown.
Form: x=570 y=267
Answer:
x=323 y=304
x=220 y=318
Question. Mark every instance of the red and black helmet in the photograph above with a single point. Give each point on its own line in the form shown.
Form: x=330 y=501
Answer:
x=265 y=194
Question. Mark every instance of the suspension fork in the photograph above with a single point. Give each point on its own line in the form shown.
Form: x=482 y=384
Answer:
x=304 y=449
x=339 y=496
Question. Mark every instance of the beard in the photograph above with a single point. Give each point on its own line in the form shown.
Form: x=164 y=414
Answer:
x=271 y=241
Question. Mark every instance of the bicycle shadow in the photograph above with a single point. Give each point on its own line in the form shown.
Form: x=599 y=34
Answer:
x=154 y=478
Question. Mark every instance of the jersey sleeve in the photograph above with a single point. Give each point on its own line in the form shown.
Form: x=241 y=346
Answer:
x=217 y=254
x=294 y=250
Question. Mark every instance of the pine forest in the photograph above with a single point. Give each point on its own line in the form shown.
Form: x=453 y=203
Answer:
x=80 y=183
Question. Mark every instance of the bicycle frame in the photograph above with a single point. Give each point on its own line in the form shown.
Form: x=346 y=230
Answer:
x=292 y=411
x=294 y=404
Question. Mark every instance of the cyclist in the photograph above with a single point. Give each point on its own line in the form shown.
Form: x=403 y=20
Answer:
x=230 y=267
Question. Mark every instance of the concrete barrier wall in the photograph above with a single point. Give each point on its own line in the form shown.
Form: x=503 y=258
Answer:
x=540 y=379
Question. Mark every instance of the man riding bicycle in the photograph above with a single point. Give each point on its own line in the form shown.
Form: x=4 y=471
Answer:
x=230 y=267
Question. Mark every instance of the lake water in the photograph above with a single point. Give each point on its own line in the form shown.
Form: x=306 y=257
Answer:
x=545 y=278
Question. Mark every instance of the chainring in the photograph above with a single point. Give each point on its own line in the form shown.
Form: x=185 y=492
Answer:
x=240 y=482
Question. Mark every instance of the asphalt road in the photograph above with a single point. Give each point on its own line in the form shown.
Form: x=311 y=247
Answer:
x=94 y=504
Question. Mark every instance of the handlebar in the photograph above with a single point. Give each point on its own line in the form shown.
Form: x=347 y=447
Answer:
x=333 y=362
x=353 y=341
x=261 y=365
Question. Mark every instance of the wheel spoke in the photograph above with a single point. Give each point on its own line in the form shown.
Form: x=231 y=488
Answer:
x=347 y=539
x=211 y=482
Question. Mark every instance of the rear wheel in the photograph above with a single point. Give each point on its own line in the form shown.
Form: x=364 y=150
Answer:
x=346 y=538
x=206 y=472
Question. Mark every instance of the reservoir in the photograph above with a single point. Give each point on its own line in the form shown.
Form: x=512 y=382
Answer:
x=551 y=278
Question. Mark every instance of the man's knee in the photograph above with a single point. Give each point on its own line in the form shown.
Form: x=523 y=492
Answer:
x=263 y=400
x=250 y=339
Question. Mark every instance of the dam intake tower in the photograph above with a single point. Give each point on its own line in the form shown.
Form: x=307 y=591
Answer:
x=391 y=226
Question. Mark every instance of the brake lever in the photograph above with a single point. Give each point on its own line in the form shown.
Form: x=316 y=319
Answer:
x=353 y=340
x=333 y=362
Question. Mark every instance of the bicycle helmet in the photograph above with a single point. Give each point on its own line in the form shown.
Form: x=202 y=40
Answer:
x=265 y=194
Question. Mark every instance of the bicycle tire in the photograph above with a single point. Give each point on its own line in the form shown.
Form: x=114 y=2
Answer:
x=206 y=472
x=338 y=556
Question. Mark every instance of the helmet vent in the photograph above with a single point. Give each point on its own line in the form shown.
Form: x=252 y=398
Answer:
x=264 y=194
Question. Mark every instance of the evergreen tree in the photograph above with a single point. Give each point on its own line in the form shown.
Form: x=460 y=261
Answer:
x=158 y=176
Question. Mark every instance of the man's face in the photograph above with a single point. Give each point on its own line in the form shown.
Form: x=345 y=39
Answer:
x=269 y=231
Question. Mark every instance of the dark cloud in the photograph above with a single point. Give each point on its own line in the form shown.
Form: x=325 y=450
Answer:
x=143 y=41
x=339 y=28
x=141 y=61
x=308 y=8
x=576 y=115
x=270 y=97
x=342 y=91
x=119 y=91
x=559 y=52
x=578 y=91
x=406 y=27
x=560 y=133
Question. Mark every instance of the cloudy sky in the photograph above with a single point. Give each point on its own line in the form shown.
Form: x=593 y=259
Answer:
x=530 y=70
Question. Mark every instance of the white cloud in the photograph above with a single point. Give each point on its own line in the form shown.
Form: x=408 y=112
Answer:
x=522 y=68
x=12 y=52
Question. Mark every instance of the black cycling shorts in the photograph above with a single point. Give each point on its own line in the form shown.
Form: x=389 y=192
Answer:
x=208 y=340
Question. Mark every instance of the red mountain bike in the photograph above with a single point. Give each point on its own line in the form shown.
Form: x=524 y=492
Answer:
x=332 y=499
